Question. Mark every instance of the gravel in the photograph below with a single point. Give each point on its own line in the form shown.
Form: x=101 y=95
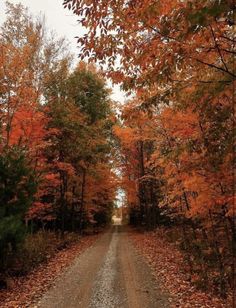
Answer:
x=104 y=290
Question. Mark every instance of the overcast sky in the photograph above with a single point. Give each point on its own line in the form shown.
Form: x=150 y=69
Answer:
x=60 y=20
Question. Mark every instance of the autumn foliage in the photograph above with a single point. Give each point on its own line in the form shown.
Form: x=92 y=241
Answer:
x=65 y=152
x=55 y=138
x=176 y=133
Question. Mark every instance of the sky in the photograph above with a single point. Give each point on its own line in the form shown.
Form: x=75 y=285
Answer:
x=63 y=22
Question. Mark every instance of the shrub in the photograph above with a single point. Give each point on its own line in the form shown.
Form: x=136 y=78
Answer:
x=36 y=249
x=17 y=188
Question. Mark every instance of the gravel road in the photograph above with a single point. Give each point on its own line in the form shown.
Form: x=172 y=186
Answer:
x=110 y=274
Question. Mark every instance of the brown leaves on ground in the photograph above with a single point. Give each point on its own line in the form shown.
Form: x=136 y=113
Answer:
x=25 y=291
x=171 y=271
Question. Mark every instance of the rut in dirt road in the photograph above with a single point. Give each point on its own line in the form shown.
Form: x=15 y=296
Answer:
x=109 y=274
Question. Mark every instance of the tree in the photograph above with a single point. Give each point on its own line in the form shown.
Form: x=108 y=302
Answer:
x=88 y=91
x=80 y=114
x=29 y=57
x=17 y=189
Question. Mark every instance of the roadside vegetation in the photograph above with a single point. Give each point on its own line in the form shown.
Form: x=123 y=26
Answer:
x=56 y=118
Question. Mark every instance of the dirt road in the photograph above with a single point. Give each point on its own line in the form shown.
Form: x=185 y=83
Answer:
x=109 y=274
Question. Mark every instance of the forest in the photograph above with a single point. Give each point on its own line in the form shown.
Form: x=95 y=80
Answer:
x=67 y=148
x=56 y=138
